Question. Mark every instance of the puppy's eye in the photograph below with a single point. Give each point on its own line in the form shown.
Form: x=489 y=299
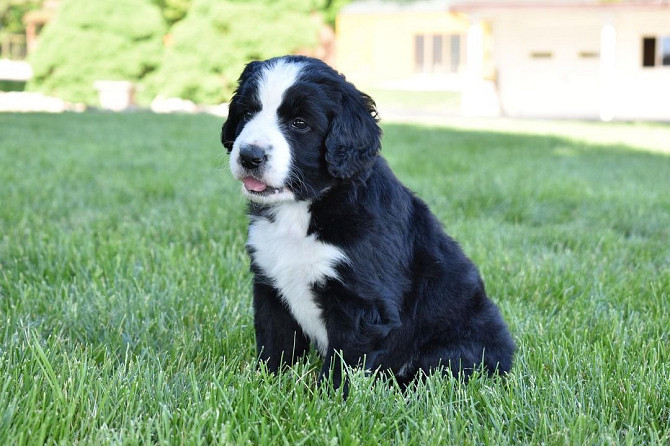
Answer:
x=247 y=115
x=300 y=125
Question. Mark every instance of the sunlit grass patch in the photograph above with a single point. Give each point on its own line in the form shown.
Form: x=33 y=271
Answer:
x=125 y=308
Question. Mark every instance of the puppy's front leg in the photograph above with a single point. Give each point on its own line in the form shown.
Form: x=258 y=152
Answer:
x=337 y=361
x=333 y=367
x=279 y=338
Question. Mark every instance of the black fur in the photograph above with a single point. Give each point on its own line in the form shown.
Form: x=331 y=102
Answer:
x=408 y=299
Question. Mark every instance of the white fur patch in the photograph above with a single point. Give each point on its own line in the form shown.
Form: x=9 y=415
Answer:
x=406 y=367
x=263 y=129
x=295 y=261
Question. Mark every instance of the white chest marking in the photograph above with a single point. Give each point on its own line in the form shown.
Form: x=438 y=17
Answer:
x=295 y=261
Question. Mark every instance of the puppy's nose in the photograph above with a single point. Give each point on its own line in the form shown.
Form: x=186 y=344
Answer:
x=251 y=156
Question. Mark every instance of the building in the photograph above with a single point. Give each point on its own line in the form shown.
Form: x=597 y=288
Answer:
x=523 y=58
x=407 y=45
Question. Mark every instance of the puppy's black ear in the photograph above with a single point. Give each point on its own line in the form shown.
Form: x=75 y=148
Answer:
x=228 y=133
x=230 y=126
x=354 y=138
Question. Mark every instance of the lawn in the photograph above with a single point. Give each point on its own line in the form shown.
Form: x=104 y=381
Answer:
x=125 y=309
x=421 y=102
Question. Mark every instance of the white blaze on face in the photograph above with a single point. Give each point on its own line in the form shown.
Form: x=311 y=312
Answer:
x=263 y=129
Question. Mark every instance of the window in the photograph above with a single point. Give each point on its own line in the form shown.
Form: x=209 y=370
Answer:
x=541 y=55
x=455 y=60
x=649 y=51
x=589 y=54
x=437 y=50
x=656 y=51
x=419 y=63
x=437 y=53
x=665 y=51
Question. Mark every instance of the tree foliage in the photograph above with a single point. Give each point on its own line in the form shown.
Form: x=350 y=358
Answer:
x=12 y=12
x=193 y=49
x=331 y=8
x=173 y=10
x=217 y=38
x=95 y=40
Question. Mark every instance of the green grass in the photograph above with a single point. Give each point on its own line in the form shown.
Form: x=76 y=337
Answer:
x=125 y=309
x=417 y=101
x=8 y=85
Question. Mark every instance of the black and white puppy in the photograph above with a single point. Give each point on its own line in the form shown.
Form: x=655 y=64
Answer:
x=344 y=256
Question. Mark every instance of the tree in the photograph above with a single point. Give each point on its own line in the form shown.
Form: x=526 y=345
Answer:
x=95 y=40
x=211 y=45
x=331 y=8
x=12 y=12
x=173 y=10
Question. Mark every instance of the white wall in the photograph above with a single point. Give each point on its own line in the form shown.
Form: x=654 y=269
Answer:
x=643 y=93
x=571 y=82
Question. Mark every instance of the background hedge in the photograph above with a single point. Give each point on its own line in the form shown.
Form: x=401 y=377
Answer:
x=97 y=40
x=193 y=49
x=216 y=38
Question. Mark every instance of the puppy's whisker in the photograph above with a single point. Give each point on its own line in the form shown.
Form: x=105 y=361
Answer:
x=298 y=177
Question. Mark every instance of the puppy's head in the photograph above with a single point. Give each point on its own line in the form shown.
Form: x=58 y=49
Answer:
x=295 y=128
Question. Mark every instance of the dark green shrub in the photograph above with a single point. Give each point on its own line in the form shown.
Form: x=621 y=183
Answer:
x=7 y=85
x=210 y=46
x=173 y=10
x=11 y=15
x=97 y=40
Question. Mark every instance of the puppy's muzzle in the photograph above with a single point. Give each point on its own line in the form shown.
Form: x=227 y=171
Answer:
x=252 y=157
